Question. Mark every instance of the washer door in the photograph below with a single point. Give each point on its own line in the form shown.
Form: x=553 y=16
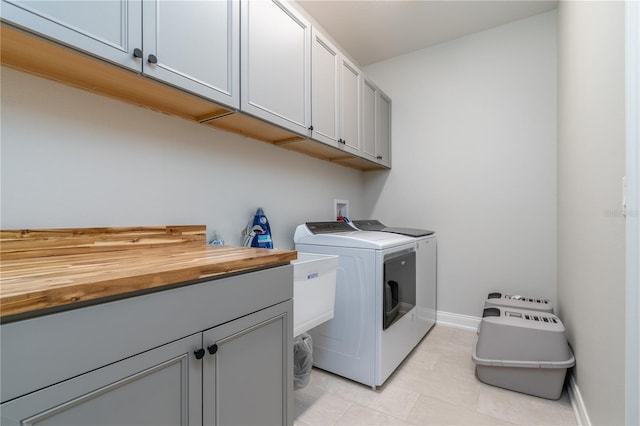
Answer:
x=399 y=292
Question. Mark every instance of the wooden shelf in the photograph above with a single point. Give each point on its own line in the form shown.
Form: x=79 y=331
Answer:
x=38 y=56
x=253 y=128
x=360 y=164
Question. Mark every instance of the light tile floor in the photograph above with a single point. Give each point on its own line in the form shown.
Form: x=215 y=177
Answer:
x=435 y=385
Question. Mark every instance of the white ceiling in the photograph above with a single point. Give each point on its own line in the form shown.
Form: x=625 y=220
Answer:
x=375 y=30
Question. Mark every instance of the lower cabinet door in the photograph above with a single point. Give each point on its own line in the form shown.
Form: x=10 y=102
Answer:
x=162 y=386
x=248 y=370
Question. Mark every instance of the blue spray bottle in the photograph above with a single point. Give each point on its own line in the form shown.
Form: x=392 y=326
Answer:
x=258 y=232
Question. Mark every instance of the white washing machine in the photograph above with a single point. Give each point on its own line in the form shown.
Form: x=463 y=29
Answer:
x=426 y=268
x=375 y=323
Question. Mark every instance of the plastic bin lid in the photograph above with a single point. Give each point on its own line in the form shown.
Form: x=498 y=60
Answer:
x=523 y=364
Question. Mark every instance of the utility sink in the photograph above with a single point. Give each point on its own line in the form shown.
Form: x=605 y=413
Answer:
x=314 y=290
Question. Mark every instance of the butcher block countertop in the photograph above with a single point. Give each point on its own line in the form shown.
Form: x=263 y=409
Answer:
x=41 y=270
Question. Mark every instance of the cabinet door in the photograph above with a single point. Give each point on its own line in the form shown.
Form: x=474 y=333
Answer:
x=350 y=87
x=194 y=45
x=109 y=29
x=248 y=379
x=324 y=95
x=276 y=64
x=383 y=144
x=162 y=386
x=369 y=93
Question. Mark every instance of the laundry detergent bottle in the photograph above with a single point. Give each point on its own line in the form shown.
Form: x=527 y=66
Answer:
x=258 y=233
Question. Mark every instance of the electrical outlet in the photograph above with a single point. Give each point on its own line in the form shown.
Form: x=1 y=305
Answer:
x=340 y=208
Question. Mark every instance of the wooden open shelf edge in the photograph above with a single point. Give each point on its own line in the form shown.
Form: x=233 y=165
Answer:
x=52 y=61
x=41 y=57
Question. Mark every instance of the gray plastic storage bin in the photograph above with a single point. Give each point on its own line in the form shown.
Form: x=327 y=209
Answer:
x=518 y=302
x=524 y=351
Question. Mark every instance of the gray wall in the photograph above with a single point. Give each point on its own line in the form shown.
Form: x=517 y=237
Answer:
x=474 y=157
x=74 y=159
x=591 y=229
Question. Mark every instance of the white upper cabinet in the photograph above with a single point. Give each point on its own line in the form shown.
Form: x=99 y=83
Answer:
x=350 y=106
x=369 y=92
x=383 y=129
x=109 y=29
x=258 y=57
x=335 y=96
x=325 y=64
x=194 y=45
x=376 y=125
x=276 y=64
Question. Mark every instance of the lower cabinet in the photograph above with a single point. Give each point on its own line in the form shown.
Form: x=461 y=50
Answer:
x=245 y=380
x=159 y=387
x=233 y=374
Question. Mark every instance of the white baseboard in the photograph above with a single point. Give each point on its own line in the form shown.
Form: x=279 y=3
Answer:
x=450 y=319
x=579 y=409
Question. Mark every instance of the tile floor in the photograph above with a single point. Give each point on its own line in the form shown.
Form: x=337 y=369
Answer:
x=435 y=385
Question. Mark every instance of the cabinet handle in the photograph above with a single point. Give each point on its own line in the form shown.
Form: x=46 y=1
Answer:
x=311 y=128
x=137 y=53
x=212 y=349
x=379 y=157
x=339 y=141
x=152 y=59
x=199 y=353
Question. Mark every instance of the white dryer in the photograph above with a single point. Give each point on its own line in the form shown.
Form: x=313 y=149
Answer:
x=375 y=323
